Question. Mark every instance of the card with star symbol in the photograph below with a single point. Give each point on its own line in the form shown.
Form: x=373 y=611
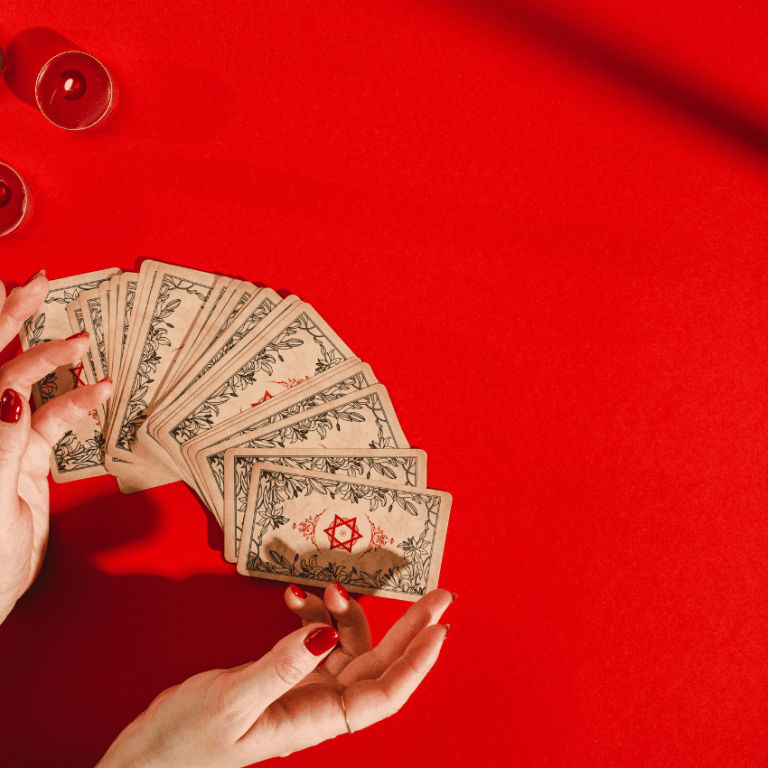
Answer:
x=373 y=536
x=406 y=466
x=254 y=401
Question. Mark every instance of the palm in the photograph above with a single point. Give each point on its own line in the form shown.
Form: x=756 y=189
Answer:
x=33 y=501
x=312 y=707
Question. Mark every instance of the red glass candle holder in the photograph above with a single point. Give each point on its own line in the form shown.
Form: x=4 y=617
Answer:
x=75 y=91
x=15 y=200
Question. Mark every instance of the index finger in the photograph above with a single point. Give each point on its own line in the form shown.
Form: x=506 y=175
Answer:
x=20 y=304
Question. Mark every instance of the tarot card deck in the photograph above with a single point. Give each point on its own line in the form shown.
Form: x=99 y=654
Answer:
x=257 y=404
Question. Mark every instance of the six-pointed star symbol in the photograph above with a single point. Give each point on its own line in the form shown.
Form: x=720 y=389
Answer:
x=343 y=533
x=76 y=372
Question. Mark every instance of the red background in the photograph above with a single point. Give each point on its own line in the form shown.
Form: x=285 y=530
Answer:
x=543 y=226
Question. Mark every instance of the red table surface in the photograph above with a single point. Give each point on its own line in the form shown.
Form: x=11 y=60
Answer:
x=543 y=225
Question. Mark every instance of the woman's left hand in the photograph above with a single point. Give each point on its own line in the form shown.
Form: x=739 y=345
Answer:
x=229 y=718
x=26 y=440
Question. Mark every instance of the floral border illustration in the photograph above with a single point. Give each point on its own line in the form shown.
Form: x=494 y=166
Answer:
x=130 y=295
x=278 y=487
x=70 y=454
x=351 y=466
x=94 y=310
x=240 y=304
x=341 y=388
x=245 y=328
x=157 y=336
x=201 y=418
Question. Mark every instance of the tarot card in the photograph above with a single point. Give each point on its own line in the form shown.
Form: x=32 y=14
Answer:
x=284 y=399
x=104 y=290
x=79 y=452
x=234 y=299
x=374 y=537
x=175 y=298
x=80 y=313
x=350 y=376
x=256 y=321
x=146 y=446
x=114 y=292
x=92 y=314
x=222 y=289
x=363 y=419
x=252 y=297
x=299 y=346
x=406 y=467
x=255 y=318
x=144 y=282
x=124 y=311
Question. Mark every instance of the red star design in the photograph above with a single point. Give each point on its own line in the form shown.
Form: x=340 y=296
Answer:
x=335 y=538
x=267 y=396
x=76 y=371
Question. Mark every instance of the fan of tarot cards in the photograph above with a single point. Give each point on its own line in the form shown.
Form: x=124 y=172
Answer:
x=255 y=403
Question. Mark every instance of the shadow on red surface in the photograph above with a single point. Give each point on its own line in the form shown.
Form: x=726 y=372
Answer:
x=84 y=652
x=621 y=62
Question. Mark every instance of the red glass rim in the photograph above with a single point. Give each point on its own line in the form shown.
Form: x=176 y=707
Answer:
x=111 y=96
x=26 y=206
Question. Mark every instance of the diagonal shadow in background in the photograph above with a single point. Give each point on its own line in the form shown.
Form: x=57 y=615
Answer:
x=700 y=102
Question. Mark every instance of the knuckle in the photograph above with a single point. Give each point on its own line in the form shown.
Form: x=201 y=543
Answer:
x=288 y=670
x=9 y=455
x=224 y=700
x=6 y=370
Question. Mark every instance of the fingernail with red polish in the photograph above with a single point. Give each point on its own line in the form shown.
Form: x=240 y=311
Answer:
x=343 y=592
x=11 y=406
x=447 y=629
x=32 y=277
x=77 y=335
x=299 y=592
x=321 y=640
x=453 y=597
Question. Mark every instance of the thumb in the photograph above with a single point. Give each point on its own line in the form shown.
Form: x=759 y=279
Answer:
x=15 y=419
x=257 y=685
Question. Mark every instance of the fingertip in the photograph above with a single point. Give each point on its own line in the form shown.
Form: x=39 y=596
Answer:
x=294 y=597
x=106 y=387
x=78 y=344
x=34 y=276
x=321 y=639
x=37 y=283
x=297 y=592
x=12 y=406
x=337 y=598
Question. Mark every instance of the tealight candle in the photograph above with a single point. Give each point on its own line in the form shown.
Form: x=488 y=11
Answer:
x=15 y=200
x=75 y=91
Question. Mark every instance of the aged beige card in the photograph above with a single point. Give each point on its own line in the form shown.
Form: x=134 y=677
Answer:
x=407 y=467
x=372 y=536
x=173 y=302
x=204 y=455
x=299 y=346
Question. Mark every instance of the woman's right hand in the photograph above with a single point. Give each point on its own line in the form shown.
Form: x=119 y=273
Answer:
x=284 y=702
